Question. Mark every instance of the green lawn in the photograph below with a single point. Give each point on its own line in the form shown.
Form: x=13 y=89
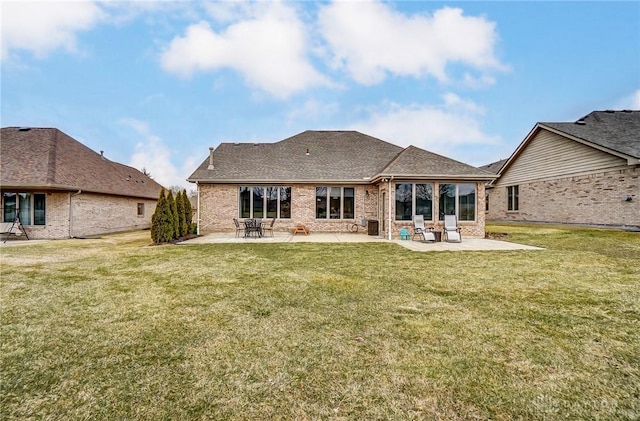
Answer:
x=115 y=329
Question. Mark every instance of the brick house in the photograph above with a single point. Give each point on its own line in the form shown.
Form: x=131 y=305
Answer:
x=62 y=189
x=582 y=172
x=328 y=179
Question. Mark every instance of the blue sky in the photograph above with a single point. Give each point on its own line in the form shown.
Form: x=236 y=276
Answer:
x=155 y=84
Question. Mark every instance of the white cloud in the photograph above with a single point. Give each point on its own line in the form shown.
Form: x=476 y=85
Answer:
x=268 y=47
x=227 y=11
x=312 y=110
x=371 y=39
x=628 y=102
x=154 y=156
x=42 y=27
x=447 y=129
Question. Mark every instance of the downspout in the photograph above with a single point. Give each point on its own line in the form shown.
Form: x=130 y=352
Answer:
x=198 y=210
x=71 y=195
x=389 y=211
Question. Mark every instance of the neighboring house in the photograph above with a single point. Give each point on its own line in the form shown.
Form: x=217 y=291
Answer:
x=61 y=189
x=194 y=206
x=584 y=172
x=328 y=179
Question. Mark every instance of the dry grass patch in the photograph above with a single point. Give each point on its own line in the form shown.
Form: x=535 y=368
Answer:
x=114 y=329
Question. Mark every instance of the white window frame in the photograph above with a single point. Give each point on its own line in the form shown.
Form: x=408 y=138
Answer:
x=414 y=201
x=457 y=202
x=513 y=198
x=32 y=210
x=264 y=202
x=328 y=198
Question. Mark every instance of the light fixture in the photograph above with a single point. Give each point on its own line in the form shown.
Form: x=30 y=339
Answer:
x=307 y=152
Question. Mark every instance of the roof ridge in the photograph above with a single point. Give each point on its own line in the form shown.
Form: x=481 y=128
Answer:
x=393 y=160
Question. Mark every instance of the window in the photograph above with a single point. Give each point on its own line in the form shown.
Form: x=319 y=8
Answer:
x=349 y=201
x=486 y=200
x=424 y=201
x=265 y=202
x=467 y=202
x=459 y=200
x=29 y=206
x=39 y=210
x=272 y=202
x=404 y=200
x=340 y=202
x=140 y=209
x=512 y=198
x=414 y=199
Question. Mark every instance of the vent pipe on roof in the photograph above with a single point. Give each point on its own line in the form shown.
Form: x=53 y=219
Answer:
x=210 y=167
x=102 y=154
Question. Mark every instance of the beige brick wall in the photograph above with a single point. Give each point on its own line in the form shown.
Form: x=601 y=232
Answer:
x=219 y=205
x=95 y=214
x=56 y=218
x=92 y=214
x=586 y=199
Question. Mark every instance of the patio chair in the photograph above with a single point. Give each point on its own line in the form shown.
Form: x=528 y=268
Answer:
x=239 y=229
x=452 y=232
x=419 y=229
x=269 y=226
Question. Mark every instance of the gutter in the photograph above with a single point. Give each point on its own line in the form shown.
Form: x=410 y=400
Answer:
x=389 y=210
x=437 y=177
x=283 y=182
x=198 y=210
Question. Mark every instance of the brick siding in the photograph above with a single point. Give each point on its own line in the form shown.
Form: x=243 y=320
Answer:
x=219 y=205
x=95 y=214
x=587 y=199
x=92 y=214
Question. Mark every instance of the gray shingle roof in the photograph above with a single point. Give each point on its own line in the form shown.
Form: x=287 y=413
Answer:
x=618 y=131
x=414 y=161
x=48 y=159
x=495 y=167
x=340 y=156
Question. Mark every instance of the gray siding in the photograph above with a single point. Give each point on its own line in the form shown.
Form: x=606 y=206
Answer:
x=549 y=155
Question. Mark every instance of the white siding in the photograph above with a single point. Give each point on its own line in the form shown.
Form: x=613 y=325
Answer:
x=549 y=155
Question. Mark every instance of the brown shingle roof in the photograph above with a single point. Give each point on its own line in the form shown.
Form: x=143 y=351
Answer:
x=340 y=156
x=46 y=158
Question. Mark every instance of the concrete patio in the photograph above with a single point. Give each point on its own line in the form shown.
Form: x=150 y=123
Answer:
x=467 y=244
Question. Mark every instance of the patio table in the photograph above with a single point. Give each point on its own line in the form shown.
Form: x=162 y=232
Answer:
x=252 y=227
